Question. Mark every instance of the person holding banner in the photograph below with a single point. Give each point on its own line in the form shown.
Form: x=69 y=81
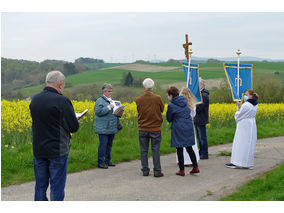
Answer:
x=182 y=132
x=201 y=119
x=246 y=133
x=191 y=101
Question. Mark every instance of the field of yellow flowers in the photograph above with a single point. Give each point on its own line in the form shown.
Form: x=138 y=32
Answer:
x=15 y=115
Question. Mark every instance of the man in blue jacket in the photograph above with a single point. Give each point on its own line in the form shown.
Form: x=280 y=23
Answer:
x=201 y=119
x=53 y=119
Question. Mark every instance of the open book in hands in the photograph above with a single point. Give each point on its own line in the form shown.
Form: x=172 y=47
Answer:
x=118 y=108
x=80 y=115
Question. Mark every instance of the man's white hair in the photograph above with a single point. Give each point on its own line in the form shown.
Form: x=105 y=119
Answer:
x=148 y=84
x=53 y=77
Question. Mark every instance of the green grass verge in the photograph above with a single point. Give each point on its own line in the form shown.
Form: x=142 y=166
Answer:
x=269 y=187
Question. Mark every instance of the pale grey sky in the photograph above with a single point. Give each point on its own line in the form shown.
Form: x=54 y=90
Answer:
x=126 y=37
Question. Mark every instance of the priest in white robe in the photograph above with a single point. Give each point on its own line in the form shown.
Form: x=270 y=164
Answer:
x=246 y=133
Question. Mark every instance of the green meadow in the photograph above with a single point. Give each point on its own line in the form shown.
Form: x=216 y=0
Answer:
x=206 y=71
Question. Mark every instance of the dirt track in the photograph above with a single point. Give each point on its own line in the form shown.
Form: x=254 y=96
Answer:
x=145 y=67
x=209 y=84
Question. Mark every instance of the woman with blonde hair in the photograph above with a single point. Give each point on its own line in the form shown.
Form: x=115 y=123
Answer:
x=191 y=101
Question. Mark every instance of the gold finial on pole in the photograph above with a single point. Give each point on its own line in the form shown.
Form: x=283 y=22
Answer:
x=238 y=52
x=190 y=52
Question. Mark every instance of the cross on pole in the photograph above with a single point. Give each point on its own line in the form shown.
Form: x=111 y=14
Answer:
x=185 y=46
x=188 y=57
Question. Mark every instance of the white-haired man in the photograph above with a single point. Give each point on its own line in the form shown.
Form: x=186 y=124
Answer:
x=150 y=108
x=53 y=120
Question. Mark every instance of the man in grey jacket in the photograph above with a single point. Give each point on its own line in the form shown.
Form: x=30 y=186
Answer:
x=105 y=123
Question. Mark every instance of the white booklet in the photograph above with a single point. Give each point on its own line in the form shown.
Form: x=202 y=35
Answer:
x=118 y=108
x=80 y=115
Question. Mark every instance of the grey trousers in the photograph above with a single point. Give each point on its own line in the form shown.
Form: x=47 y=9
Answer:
x=144 y=139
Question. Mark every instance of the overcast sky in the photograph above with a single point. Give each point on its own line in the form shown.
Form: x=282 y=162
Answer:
x=126 y=37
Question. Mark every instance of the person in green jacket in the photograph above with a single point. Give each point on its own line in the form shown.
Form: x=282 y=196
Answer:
x=105 y=123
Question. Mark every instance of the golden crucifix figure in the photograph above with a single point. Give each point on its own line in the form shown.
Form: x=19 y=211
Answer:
x=187 y=55
x=185 y=46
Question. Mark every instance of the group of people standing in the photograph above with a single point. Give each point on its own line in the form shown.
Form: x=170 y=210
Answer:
x=150 y=107
x=53 y=119
x=180 y=113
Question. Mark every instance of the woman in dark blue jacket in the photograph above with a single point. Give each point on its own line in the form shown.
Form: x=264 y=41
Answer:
x=182 y=128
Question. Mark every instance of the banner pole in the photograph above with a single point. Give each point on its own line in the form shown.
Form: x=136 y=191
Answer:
x=188 y=70
x=238 y=77
x=188 y=56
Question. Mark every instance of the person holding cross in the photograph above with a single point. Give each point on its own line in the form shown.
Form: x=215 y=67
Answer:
x=201 y=119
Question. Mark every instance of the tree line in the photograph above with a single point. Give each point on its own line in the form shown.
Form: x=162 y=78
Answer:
x=18 y=74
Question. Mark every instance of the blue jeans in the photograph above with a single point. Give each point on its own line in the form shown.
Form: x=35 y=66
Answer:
x=104 y=149
x=202 y=140
x=53 y=170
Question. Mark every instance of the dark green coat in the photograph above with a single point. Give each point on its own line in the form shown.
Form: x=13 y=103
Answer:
x=105 y=121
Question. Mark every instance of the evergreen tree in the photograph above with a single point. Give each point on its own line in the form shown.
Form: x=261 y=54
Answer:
x=129 y=79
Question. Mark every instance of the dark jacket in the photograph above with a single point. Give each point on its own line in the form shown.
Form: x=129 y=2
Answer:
x=105 y=121
x=182 y=126
x=201 y=117
x=53 y=119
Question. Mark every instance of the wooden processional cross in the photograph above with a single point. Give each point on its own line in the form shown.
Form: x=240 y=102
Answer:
x=188 y=56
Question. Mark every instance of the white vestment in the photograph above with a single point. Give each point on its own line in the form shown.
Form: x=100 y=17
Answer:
x=186 y=157
x=245 y=136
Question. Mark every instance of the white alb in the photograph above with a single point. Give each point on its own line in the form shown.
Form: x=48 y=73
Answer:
x=245 y=136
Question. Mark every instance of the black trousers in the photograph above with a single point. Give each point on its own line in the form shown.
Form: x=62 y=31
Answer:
x=181 y=159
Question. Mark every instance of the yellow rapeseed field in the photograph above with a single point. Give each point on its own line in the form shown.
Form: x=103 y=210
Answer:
x=15 y=115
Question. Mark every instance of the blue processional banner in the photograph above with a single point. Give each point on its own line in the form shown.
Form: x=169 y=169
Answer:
x=245 y=80
x=193 y=83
